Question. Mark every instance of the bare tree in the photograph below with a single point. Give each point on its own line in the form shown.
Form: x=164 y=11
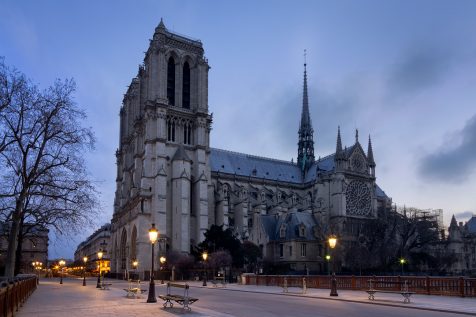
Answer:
x=44 y=179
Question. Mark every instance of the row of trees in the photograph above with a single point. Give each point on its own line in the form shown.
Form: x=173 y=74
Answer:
x=224 y=250
x=43 y=178
x=404 y=234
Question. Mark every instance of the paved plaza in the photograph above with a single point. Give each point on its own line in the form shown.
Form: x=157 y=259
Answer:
x=71 y=299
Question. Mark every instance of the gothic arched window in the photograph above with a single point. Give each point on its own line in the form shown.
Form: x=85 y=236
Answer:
x=171 y=130
x=171 y=81
x=187 y=133
x=186 y=86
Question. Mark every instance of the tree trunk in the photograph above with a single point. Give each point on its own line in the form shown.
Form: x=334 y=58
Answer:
x=13 y=239
x=18 y=258
x=12 y=248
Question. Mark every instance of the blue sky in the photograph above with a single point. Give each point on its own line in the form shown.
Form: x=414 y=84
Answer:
x=402 y=71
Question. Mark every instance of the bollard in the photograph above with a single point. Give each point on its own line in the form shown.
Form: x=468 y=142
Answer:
x=304 y=286
x=285 y=285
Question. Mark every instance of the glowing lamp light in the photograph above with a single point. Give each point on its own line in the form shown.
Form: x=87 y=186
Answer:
x=153 y=234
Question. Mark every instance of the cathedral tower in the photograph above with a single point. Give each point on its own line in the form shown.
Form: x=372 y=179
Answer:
x=162 y=159
x=306 y=143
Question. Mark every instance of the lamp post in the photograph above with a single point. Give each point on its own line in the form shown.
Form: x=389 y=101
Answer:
x=85 y=260
x=162 y=261
x=402 y=263
x=100 y=254
x=153 y=234
x=135 y=263
x=328 y=259
x=61 y=263
x=204 y=257
x=332 y=245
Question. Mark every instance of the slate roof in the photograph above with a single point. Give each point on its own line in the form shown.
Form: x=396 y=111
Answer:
x=272 y=224
x=471 y=225
x=249 y=165
x=228 y=162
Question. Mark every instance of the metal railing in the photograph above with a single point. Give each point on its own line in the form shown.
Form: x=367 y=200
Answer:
x=14 y=292
x=429 y=285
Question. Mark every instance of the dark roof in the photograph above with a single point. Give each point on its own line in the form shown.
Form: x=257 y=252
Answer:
x=249 y=165
x=240 y=164
x=471 y=225
x=272 y=224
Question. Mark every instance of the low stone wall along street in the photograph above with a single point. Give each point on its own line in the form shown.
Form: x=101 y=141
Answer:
x=429 y=285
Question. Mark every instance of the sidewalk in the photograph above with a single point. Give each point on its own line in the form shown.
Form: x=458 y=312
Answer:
x=71 y=299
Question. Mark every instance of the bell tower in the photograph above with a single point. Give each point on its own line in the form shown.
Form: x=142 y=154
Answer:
x=162 y=160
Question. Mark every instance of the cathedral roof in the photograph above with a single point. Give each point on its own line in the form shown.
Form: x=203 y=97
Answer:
x=240 y=164
x=292 y=221
x=471 y=225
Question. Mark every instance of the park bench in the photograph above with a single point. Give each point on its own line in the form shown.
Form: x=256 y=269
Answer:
x=184 y=300
x=285 y=285
x=373 y=288
x=219 y=280
x=134 y=290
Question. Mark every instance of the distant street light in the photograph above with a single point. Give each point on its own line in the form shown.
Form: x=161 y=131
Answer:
x=162 y=261
x=402 y=262
x=328 y=258
x=135 y=263
x=85 y=260
x=204 y=257
x=61 y=263
x=100 y=254
x=153 y=235
x=332 y=245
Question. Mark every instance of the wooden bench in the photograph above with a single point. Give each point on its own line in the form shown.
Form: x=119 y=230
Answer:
x=184 y=300
x=403 y=291
x=219 y=280
x=134 y=290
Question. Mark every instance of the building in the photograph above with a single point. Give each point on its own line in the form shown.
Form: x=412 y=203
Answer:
x=461 y=245
x=34 y=246
x=99 y=240
x=168 y=175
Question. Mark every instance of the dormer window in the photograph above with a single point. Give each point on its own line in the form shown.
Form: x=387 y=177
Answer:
x=294 y=199
x=302 y=231
x=280 y=196
x=262 y=196
x=282 y=231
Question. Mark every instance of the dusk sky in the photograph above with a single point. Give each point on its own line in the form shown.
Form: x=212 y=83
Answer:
x=402 y=71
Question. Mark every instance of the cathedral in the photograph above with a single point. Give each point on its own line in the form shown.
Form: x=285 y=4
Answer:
x=170 y=176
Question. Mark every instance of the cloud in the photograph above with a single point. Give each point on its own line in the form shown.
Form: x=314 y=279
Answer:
x=464 y=216
x=418 y=69
x=453 y=163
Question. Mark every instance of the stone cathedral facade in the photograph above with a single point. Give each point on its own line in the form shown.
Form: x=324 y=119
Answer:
x=168 y=174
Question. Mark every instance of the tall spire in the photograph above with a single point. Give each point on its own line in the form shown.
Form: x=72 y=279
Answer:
x=306 y=143
x=339 y=144
x=370 y=154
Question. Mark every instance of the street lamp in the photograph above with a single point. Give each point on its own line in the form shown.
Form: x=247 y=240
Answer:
x=100 y=254
x=402 y=262
x=204 y=257
x=332 y=245
x=328 y=258
x=162 y=261
x=135 y=263
x=85 y=259
x=61 y=263
x=153 y=234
